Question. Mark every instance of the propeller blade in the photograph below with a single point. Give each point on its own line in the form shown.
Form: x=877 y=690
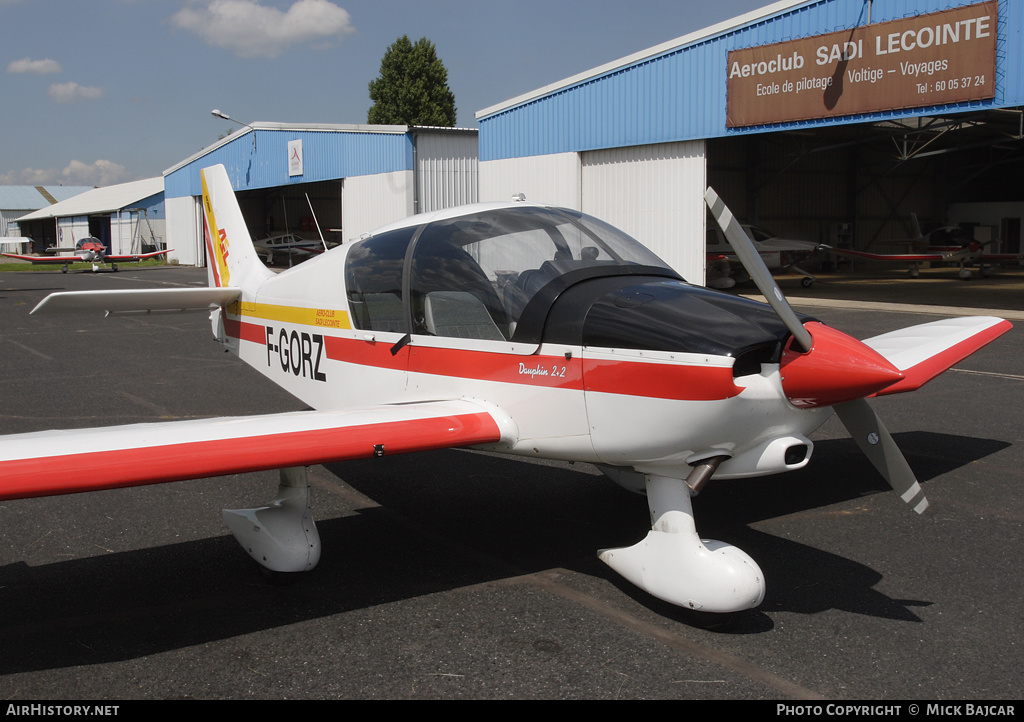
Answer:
x=755 y=266
x=874 y=440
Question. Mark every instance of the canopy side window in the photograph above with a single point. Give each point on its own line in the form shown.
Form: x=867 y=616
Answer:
x=373 y=278
x=450 y=292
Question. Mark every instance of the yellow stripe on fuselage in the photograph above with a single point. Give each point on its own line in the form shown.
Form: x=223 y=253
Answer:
x=318 y=317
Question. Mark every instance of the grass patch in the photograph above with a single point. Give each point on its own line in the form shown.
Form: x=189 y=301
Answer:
x=81 y=266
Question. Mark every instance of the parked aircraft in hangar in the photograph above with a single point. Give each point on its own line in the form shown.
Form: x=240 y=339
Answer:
x=946 y=244
x=780 y=255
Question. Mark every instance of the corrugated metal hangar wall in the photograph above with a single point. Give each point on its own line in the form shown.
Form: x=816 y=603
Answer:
x=635 y=141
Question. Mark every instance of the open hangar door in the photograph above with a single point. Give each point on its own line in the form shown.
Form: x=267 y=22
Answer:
x=859 y=186
x=304 y=210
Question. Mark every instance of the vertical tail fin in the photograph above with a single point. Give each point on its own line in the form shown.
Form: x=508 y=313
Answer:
x=231 y=256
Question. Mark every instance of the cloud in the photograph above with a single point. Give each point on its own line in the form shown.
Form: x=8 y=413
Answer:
x=29 y=177
x=73 y=92
x=100 y=173
x=77 y=173
x=40 y=67
x=252 y=30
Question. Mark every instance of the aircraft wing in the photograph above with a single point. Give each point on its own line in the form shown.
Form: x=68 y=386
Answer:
x=45 y=259
x=65 y=462
x=923 y=352
x=137 y=256
x=895 y=257
x=138 y=300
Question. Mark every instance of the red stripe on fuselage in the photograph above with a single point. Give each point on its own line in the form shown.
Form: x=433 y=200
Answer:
x=111 y=469
x=627 y=377
x=678 y=382
x=245 y=331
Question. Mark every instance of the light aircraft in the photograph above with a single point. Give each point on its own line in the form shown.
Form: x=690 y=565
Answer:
x=512 y=327
x=778 y=254
x=945 y=244
x=969 y=254
x=289 y=246
x=88 y=250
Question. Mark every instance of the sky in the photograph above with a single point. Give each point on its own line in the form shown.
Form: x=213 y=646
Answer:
x=98 y=92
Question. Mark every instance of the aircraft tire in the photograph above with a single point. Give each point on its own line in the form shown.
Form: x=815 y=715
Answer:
x=806 y=282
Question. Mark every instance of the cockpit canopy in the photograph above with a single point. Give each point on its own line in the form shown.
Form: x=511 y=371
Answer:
x=531 y=274
x=472 y=276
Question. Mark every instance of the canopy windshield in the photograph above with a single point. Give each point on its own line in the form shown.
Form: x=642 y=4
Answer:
x=472 y=276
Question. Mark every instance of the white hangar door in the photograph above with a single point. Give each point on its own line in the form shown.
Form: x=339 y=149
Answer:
x=656 y=194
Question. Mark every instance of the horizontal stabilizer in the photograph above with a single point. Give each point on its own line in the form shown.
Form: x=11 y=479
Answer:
x=65 y=462
x=138 y=300
x=925 y=351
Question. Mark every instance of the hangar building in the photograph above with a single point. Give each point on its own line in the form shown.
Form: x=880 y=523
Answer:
x=128 y=218
x=824 y=120
x=338 y=180
x=16 y=201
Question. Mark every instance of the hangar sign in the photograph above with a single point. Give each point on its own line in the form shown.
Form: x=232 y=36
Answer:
x=935 y=59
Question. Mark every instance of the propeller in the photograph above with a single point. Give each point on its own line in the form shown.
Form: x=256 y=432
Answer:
x=861 y=420
x=829 y=371
x=753 y=264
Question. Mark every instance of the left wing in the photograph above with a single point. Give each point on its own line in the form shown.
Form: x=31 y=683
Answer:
x=80 y=259
x=137 y=256
x=897 y=257
x=138 y=300
x=46 y=259
x=65 y=462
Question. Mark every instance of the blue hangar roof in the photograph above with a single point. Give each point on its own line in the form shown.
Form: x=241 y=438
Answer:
x=678 y=90
x=258 y=156
x=32 y=198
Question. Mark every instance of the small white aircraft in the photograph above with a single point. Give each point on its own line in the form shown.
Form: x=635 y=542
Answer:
x=289 y=246
x=777 y=253
x=514 y=327
x=88 y=250
x=973 y=253
x=949 y=246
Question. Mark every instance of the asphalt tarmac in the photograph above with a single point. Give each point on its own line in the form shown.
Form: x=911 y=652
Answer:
x=458 y=574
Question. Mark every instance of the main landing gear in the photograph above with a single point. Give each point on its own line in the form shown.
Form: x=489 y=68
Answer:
x=710 y=579
x=281 y=536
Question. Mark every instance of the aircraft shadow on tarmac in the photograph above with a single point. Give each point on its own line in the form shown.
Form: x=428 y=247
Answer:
x=446 y=520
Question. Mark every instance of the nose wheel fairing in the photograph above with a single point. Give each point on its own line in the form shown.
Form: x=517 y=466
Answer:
x=675 y=565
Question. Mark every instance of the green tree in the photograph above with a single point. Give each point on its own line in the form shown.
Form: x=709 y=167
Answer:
x=412 y=88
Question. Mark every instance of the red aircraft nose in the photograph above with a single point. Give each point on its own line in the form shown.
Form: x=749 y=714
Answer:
x=838 y=368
